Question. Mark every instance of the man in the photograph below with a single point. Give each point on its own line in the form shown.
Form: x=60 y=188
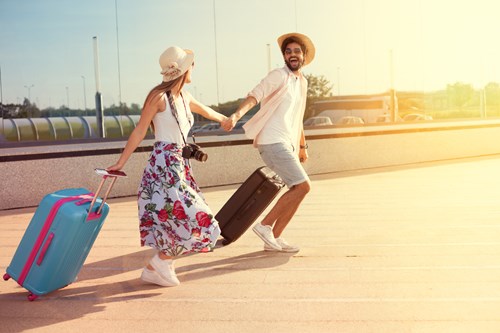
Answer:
x=278 y=133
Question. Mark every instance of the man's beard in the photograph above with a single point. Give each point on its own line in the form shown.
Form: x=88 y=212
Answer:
x=295 y=67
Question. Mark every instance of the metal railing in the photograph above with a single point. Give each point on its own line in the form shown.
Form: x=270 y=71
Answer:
x=65 y=128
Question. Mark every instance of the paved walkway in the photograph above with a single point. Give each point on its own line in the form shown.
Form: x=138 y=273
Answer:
x=413 y=249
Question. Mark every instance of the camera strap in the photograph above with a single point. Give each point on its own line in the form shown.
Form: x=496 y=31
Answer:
x=176 y=115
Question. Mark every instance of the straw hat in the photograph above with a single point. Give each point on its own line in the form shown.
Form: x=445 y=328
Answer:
x=310 y=49
x=174 y=62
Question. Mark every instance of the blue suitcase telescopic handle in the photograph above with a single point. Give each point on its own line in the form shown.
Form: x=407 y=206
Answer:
x=105 y=175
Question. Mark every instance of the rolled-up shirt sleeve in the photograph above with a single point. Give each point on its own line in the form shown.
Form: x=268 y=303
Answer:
x=268 y=85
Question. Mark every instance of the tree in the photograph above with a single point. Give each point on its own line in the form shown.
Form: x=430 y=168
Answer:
x=318 y=87
x=28 y=110
x=459 y=94
x=492 y=91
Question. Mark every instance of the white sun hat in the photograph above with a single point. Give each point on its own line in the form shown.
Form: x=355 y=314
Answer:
x=174 y=62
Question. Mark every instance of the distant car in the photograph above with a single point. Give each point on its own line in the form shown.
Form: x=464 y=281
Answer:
x=194 y=129
x=318 y=121
x=383 y=119
x=350 y=120
x=416 y=117
x=207 y=127
x=386 y=118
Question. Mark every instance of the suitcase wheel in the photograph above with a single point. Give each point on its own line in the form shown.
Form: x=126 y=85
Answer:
x=32 y=297
x=6 y=277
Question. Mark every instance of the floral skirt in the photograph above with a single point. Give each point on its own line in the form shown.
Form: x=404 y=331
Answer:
x=174 y=217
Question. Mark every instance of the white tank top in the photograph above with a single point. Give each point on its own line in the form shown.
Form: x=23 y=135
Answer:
x=166 y=128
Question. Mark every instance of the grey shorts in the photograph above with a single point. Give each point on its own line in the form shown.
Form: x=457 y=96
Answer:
x=284 y=160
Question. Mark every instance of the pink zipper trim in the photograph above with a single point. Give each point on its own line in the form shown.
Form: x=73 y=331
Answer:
x=43 y=234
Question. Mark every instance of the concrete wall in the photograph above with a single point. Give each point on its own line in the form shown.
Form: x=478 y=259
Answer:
x=28 y=173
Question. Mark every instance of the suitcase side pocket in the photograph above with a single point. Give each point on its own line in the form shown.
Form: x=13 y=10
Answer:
x=45 y=248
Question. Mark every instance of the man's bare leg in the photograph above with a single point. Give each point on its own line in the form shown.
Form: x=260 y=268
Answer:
x=285 y=208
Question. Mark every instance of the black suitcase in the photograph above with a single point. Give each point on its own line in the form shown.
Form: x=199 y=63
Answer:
x=248 y=203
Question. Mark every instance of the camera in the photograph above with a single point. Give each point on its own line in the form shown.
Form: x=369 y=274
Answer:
x=192 y=150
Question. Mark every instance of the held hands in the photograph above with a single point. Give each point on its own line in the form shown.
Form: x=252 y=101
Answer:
x=229 y=123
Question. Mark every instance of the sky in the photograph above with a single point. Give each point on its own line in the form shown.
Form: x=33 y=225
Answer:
x=362 y=46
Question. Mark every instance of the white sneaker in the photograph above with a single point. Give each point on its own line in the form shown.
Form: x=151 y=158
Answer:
x=285 y=247
x=153 y=277
x=265 y=233
x=165 y=269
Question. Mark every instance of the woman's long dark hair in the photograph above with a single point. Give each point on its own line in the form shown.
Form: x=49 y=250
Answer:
x=163 y=87
x=157 y=92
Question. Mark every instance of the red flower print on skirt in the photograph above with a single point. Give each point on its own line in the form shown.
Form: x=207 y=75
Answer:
x=196 y=232
x=174 y=217
x=178 y=211
x=203 y=219
x=147 y=223
x=163 y=215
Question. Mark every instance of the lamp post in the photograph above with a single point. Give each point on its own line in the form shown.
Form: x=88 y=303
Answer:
x=216 y=62
x=84 y=94
x=67 y=97
x=1 y=100
x=392 y=91
x=118 y=56
x=338 y=81
x=29 y=91
x=98 y=96
x=1 y=89
x=296 y=29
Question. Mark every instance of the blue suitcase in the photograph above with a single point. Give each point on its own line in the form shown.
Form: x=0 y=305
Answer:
x=58 y=239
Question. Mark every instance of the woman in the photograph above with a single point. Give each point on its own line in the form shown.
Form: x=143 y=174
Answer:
x=174 y=217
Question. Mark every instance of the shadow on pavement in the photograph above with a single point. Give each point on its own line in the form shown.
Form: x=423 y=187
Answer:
x=80 y=299
x=208 y=268
x=65 y=304
x=247 y=261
